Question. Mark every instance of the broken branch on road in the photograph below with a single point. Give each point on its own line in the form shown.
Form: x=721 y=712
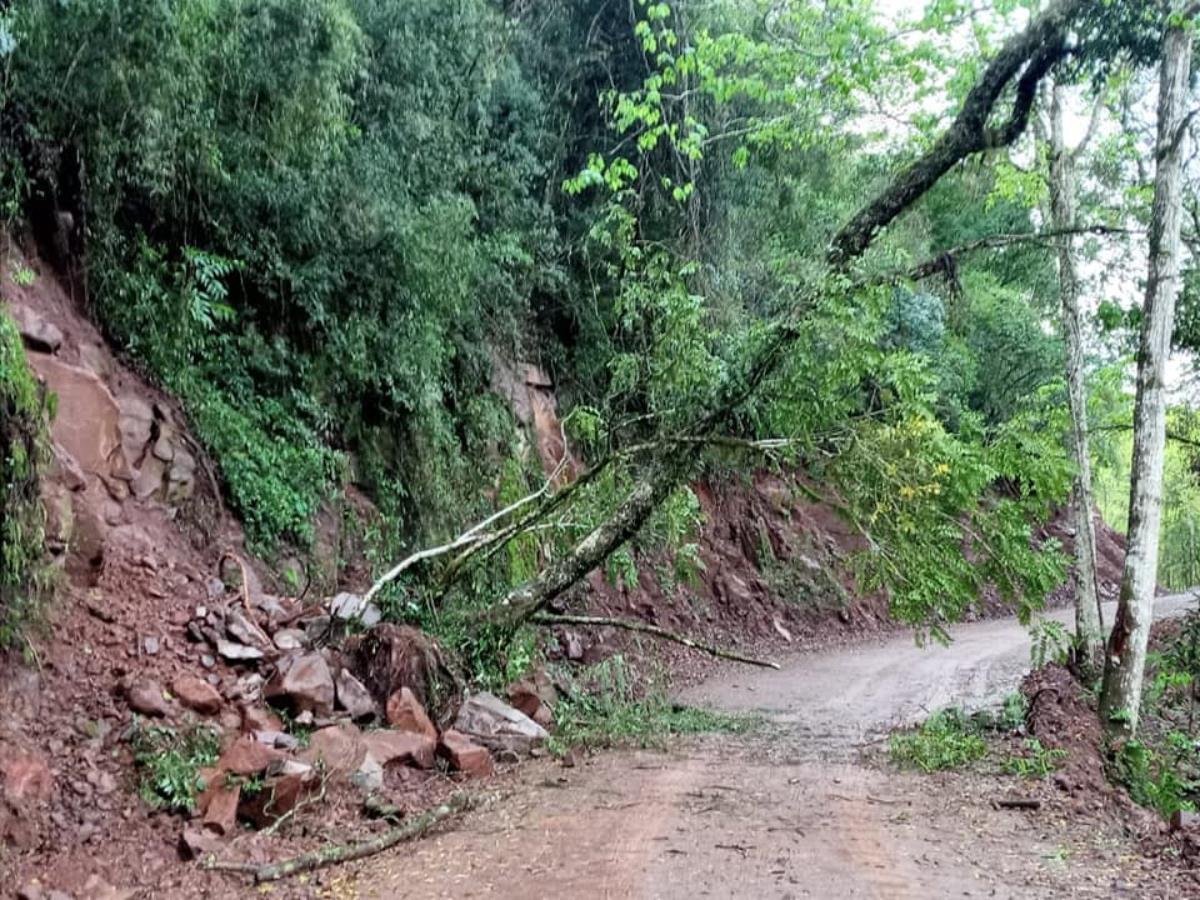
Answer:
x=629 y=625
x=334 y=854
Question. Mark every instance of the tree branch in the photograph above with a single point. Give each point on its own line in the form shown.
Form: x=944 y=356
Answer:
x=477 y=533
x=655 y=485
x=942 y=262
x=333 y=854
x=1093 y=124
x=1033 y=52
x=1174 y=436
x=646 y=628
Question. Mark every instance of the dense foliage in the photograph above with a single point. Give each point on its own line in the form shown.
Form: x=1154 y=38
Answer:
x=321 y=223
x=23 y=569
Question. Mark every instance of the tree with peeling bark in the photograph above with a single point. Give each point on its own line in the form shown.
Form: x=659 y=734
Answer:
x=1125 y=660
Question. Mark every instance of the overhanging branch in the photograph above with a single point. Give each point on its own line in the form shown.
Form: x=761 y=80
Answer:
x=943 y=261
x=1026 y=58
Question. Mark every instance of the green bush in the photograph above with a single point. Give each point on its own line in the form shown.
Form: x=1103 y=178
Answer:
x=1150 y=779
x=310 y=221
x=946 y=740
x=24 y=575
x=1035 y=762
x=171 y=761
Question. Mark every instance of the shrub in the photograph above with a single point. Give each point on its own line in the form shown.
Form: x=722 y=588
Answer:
x=24 y=576
x=171 y=762
x=946 y=740
x=605 y=706
x=1150 y=780
x=1036 y=762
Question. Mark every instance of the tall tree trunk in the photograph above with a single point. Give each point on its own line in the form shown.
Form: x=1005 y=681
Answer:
x=1089 y=627
x=1125 y=661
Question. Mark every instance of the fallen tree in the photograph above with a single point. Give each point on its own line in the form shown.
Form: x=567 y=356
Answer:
x=658 y=467
x=645 y=628
x=1020 y=65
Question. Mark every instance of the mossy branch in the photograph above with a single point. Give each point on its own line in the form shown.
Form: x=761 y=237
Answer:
x=335 y=854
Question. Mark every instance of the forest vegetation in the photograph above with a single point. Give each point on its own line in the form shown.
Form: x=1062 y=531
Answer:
x=816 y=236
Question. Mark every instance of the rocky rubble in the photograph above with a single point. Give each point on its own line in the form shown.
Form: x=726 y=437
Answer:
x=161 y=623
x=297 y=664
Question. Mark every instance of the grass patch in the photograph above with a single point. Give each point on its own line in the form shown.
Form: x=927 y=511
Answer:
x=170 y=761
x=605 y=706
x=1161 y=768
x=25 y=577
x=949 y=739
x=1156 y=780
x=1035 y=762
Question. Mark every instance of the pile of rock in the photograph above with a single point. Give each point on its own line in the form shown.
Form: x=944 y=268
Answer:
x=362 y=719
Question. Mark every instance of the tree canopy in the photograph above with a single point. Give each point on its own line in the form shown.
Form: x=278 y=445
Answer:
x=737 y=233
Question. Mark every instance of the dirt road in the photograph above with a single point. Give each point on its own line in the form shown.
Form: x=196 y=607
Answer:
x=798 y=812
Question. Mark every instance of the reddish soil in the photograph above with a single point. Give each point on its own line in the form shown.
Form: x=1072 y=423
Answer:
x=777 y=577
x=810 y=806
x=139 y=542
x=146 y=536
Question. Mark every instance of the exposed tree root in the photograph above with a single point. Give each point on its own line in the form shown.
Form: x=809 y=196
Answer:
x=334 y=854
x=628 y=625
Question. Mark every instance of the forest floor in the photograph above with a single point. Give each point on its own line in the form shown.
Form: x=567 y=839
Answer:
x=806 y=806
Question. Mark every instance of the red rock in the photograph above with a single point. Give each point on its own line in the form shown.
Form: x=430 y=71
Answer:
x=87 y=424
x=405 y=713
x=389 y=747
x=64 y=470
x=197 y=842
x=197 y=694
x=146 y=697
x=465 y=755
x=246 y=756
x=526 y=697
x=39 y=334
x=220 y=804
x=26 y=778
x=257 y=718
x=304 y=683
x=208 y=776
x=89 y=531
x=341 y=747
x=279 y=796
x=245 y=631
x=28 y=787
x=353 y=697
x=229 y=721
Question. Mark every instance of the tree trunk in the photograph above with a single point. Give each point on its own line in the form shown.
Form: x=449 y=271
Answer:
x=1125 y=661
x=1089 y=627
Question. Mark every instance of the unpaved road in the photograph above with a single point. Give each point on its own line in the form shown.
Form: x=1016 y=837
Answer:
x=795 y=813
